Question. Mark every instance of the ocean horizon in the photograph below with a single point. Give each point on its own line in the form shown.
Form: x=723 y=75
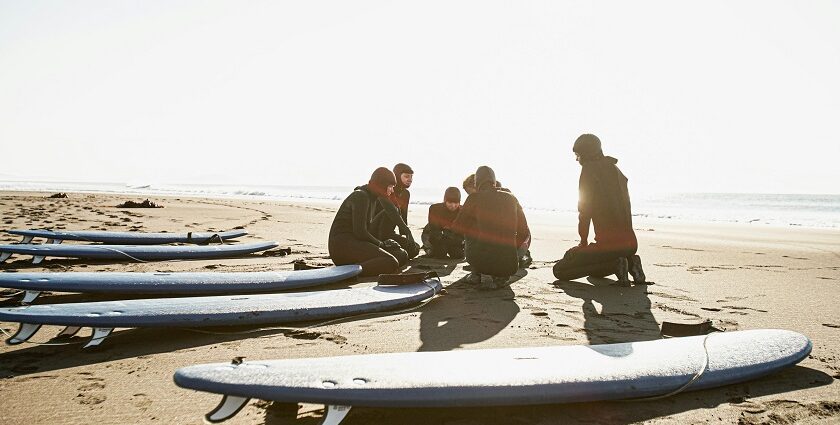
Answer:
x=805 y=210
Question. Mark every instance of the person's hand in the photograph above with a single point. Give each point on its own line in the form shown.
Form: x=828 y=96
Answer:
x=390 y=244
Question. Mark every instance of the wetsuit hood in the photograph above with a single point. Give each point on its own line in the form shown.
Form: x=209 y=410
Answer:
x=452 y=194
x=469 y=183
x=399 y=169
x=485 y=177
x=588 y=146
x=380 y=180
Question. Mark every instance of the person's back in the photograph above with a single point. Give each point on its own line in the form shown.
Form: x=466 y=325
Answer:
x=490 y=219
x=495 y=214
x=343 y=221
x=605 y=200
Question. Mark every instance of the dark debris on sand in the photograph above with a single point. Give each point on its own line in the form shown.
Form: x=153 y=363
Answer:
x=144 y=204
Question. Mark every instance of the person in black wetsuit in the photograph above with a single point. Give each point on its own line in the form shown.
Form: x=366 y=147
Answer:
x=350 y=240
x=386 y=220
x=523 y=237
x=604 y=202
x=439 y=240
x=494 y=223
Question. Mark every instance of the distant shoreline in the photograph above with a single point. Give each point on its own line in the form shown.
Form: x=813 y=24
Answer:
x=779 y=210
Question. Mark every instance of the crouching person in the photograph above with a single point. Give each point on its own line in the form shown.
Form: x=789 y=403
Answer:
x=439 y=240
x=491 y=219
x=350 y=240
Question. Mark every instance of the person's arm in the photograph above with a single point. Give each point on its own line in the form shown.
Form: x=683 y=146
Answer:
x=404 y=206
x=583 y=229
x=463 y=223
x=392 y=213
x=585 y=188
x=360 y=208
x=523 y=232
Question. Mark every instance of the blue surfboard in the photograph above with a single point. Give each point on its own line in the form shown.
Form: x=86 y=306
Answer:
x=235 y=310
x=134 y=252
x=126 y=238
x=181 y=283
x=494 y=377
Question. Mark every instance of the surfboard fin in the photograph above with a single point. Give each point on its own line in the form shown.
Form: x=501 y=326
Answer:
x=30 y=296
x=99 y=335
x=27 y=239
x=37 y=259
x=68 y=331
x=335 y=414
x=54 y=241
x=227 y=408
x=5 y=256
x=25 y=331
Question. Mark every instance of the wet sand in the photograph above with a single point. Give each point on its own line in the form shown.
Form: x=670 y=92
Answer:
x=739 y=276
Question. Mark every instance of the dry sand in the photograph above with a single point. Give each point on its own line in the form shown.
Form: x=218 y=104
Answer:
x=740 y=276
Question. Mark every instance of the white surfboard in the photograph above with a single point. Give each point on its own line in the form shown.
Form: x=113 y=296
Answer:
x=513 y=376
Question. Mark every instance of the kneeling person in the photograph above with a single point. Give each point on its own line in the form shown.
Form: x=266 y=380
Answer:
x=605 y=204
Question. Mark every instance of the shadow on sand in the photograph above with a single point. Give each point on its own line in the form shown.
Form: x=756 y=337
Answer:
x=466 y=314
x=612 y=313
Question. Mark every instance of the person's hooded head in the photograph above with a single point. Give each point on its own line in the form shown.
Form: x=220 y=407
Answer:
x=588 y=148
x=382 y=182
x=485 y=178
x=404 y=175
x=452 y=198
x=469 y=184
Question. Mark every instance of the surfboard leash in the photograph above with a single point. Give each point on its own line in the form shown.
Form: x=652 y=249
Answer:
x=685 y=386
x=124 y=253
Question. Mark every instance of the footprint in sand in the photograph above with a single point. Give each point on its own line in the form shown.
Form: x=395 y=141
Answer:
x=141 y=401
x=89 y=393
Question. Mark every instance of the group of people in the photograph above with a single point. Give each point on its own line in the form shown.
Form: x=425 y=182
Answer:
x=489 y=229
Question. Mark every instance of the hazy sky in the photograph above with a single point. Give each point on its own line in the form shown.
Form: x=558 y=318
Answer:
x=712 y=96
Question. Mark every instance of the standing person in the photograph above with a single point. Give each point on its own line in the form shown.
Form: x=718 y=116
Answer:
x=491 y=219
x=387 y=220
x=350 y=240
x=605 y=203
x=439 y=240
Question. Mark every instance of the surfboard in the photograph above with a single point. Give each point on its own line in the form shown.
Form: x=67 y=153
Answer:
x=231 y=310
x=126 y=238
x=133 y=252
x=490 y=377
x=182 y=283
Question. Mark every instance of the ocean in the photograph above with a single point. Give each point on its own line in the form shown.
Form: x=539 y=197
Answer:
x=820 y=211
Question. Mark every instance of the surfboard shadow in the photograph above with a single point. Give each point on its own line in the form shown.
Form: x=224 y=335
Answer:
x=465 y=315
x=121 y=344
x=613 y=314
x=607 y=412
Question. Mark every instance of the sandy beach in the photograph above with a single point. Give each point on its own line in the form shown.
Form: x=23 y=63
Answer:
x=740 y=276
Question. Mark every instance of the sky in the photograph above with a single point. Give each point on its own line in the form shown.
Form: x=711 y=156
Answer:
x=712 y=96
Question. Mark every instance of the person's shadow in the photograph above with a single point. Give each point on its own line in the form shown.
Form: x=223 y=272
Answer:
x=466 y=314
x=612 y=313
